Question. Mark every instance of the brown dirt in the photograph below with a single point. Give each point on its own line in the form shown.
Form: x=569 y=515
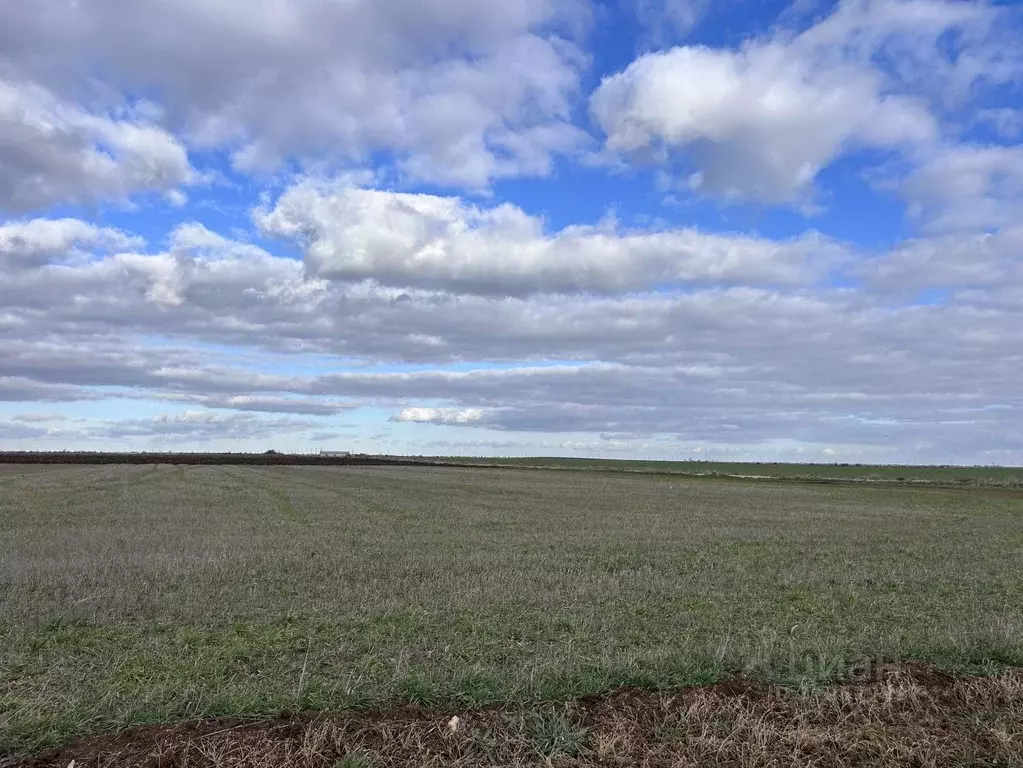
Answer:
x=903 y=716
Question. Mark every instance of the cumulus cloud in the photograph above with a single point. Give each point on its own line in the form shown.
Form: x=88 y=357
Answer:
x=32 y=243
x=762 y=121
x=755 y=123
x=52 y=151
x=428 y=241
x=461 y=91
x=81 y=258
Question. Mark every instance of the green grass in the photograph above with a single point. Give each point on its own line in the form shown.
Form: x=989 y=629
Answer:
x=554 y=734
x=133 y=594
x=354 y=761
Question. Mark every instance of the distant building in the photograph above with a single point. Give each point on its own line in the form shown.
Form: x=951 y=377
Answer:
x=335 y=453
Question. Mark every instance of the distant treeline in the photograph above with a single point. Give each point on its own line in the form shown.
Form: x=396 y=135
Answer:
x=102 y=457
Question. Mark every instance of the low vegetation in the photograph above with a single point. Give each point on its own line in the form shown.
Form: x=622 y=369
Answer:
x=153 y=594
x=1010 y=477
x=907 y=719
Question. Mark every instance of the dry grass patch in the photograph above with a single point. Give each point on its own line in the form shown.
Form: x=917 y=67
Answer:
x=912 y=718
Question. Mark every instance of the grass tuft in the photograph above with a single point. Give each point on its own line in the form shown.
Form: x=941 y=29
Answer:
x=554 y=734
x=355 y=761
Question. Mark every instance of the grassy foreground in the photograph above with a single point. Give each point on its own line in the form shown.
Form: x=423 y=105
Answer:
x=910 y=718
x=149 y=594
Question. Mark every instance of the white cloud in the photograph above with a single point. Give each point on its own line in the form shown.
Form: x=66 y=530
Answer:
x=307 y=406
x=956 y=262
x=199 y=426
x=762 y=121
x=1007 y=122
x=28 y=389
x=36 y=242
x=966 y=188
x=758 y=123
x=461 y=91
x=943 y=49
x=53 y=151
x=667 y=19
x=426 y=241
x=38 y=418
x=707 y=365
x=453 y=416
x=13 y=431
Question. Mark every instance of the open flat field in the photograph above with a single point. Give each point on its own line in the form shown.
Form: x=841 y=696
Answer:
x=988 y=477
x=149 y=594
x=1010 y=477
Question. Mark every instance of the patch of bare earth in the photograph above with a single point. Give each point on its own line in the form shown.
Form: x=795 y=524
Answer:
x=912 y=717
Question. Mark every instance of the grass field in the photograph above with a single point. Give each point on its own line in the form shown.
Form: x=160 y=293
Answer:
x=134 y=594
x=953 y=475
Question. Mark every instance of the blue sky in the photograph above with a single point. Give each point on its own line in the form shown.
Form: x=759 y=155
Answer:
x=650 y=228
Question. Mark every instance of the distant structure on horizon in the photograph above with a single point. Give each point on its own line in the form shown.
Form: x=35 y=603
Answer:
x=335 y=453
